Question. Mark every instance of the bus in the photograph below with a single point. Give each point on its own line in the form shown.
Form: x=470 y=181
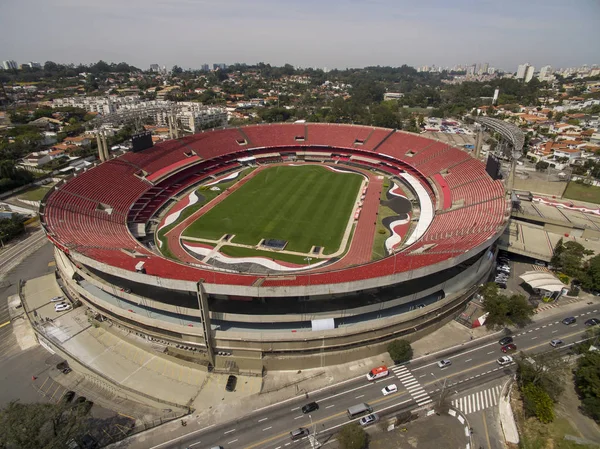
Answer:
x=377 y=373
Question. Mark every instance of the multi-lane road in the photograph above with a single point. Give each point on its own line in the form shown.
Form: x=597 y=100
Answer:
x=420 y=382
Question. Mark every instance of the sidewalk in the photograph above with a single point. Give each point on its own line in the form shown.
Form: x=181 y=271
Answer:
x=507 y=419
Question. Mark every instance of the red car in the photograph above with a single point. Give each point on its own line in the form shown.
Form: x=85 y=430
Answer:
x=509 y=348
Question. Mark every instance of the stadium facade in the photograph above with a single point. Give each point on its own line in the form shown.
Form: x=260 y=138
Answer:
x=103 y=223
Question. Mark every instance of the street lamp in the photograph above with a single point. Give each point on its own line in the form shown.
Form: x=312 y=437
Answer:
x=313 y=441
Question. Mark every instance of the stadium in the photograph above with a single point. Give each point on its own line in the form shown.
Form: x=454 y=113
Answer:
x=281 y=246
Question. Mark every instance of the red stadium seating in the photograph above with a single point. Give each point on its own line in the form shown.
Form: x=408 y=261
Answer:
x=89 y=214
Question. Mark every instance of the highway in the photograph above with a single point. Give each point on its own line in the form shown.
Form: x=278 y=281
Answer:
x=419 y=383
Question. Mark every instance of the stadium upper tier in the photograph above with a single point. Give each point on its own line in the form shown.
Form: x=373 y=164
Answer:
x=90 y=215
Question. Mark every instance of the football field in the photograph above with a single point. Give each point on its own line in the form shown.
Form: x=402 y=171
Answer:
x=306 y=205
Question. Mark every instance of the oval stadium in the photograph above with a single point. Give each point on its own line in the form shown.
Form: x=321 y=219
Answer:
x=281 y=246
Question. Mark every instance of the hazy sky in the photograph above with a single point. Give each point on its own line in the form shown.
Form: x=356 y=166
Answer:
x=319 y=33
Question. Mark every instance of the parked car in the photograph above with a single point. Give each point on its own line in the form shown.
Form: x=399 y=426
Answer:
x=509 y=347
x=444 y=363
x=231 y=383
x=505 y=360
x=390 y=389
x=556 y=342
x=592 y=322
x=310 y=407
x=66 y=370
x=540 y=263
x=62 y=307
x=369 y=419
x=68 y=396
x=57 y=299
x=504 y=269
x=505 y=340
x=569 y=320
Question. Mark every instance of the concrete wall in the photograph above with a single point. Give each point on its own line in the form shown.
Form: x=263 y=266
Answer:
x=305 y=290
x=453 y=285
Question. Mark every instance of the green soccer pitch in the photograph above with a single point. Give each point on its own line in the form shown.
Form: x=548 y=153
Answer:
x=305 y=205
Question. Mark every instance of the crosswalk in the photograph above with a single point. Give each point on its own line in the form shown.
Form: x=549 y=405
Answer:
x=412 y=385
x=478 y=401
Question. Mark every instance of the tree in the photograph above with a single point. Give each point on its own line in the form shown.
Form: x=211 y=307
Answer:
x=400 y=351
x=504 y=310
x=587 y=383
x=176 y=70
x=386 y=118
x=545 y=370
x=352 y=436
x=542 y=165
x=40 y=426
x=537 y=403
x=568 y=258
x=592 y=270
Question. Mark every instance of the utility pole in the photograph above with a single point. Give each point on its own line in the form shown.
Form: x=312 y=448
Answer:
x=313 y=441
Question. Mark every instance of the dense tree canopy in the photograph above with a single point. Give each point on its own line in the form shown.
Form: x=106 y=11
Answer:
x=352 y=436
x=587 y=382
x=400 y=351
x=503 y=310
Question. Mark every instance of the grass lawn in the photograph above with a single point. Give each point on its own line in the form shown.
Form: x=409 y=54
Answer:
x=208 y=195
x=36 y=194
x=582 y=192
x=305 y=205
x=238 y=251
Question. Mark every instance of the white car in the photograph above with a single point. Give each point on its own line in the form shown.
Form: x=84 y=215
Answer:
x=62 y=307
x=57 y=299
x=444 y=363
x=505 y=360
x=390 y=389
x=369 y=419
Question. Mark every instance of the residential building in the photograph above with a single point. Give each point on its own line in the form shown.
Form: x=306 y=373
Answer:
x=219 y=66
x=205 y=67
x=392 y=95
x=521 y=71
x=194 y=116
x=36 y=159
x=529 y=73
x=154 y=68
x=546 y=73
x=9 y=65
x=80 y=141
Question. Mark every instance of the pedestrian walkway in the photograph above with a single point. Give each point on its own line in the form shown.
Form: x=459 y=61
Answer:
x=561 y=302
x=412 y=385
x=479 y=400
x=539 y=268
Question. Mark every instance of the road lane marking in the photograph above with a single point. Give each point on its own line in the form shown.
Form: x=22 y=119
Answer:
x=294 y=409
x=4 y=324
x=187 y=435
x=468 y=360
x=329 y=406
x=261 y=420
x=555 y=331
x=231 y=442
x=298 y=417
x=267 y=428
x=229 y=431
x=491 y=352
x=533 y=338
x=422 y=375
x=361 y=396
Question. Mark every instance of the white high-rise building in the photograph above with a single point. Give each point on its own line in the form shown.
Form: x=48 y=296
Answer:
x=9 y=65
x=521 y=71
x=546 y=73
x=529 y=73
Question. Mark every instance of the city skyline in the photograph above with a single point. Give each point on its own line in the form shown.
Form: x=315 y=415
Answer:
x=311 y=34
